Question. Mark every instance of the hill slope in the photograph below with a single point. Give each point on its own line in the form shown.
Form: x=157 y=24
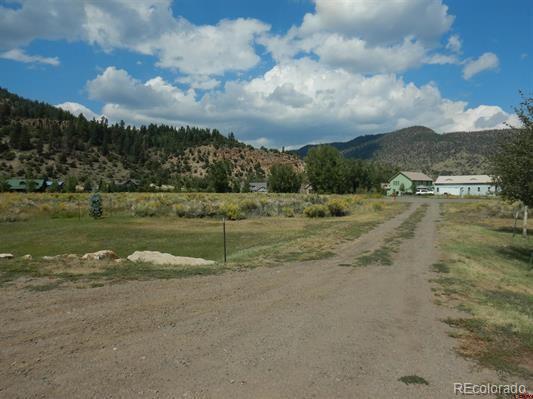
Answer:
x=39 y=140
x=420 y=148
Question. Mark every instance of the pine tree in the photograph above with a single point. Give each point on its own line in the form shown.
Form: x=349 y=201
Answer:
x=95 y=206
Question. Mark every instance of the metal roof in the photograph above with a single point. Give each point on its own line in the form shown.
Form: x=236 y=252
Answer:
x=22 y=184
x=466 y=179
x=417 y=176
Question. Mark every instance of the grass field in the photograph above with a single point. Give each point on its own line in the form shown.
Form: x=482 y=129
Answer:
x=487 y=273
x=255 y=241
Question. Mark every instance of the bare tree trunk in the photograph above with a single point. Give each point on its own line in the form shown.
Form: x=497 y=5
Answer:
x=524 y=225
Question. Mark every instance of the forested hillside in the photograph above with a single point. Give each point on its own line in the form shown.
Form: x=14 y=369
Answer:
x=420 y=148
x=39 y=140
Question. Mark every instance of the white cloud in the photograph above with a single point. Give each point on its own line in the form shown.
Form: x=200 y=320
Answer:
x=454 y=44
x=356 y=55
x=21 y=56
x=202 y=82
x=366 y=36
x=380 y=21
x=147 y=27
x=294 y=102
x=77 y=108
x=209 y=50
x=485 y=62
x=442 y=59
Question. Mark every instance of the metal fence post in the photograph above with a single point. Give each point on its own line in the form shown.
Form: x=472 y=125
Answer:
x=224 y=232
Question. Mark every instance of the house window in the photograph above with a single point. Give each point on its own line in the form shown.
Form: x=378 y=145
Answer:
x=437 y=189
x=479 y=189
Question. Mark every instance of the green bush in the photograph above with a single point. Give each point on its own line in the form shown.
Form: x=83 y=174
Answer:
x=180 y=210
x=316 y=211
x=288 y=212
x=231 y=211
x=338 y=207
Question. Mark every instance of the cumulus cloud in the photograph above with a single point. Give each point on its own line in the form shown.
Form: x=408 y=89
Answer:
x=380 y=21
x=21 y=56
x=485 y=62
x=77 y=108
x=147 y=27
x=366 y=36
x=334 y=76
x=293 y=103
x=454 y=44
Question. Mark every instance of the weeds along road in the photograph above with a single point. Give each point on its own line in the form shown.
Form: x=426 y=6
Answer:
x=313 y=329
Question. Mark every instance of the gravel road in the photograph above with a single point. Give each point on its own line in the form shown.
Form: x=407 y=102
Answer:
x=303 y=330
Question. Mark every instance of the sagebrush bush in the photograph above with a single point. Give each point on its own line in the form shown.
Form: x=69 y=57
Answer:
x=288 y=212
x=338 y=207
x=316 y=211
x=231 y=211
x=377 y=206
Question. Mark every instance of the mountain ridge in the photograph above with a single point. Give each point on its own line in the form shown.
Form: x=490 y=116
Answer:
x=40 y=140
x=421 y=148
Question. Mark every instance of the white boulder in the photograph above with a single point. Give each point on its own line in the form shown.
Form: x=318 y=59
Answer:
x=27 y=257
x=100 y=255
x=6 y=256
x=161 y=258
x=55 y=257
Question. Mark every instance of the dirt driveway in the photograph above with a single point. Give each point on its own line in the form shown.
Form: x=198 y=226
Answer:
x=313 y=329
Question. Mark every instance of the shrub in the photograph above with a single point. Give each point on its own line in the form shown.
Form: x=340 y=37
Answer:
x=148 y=208
x=377 y=206
x=231 y=211
x=288 y=211
x=180 y=210
x=338 y=207
x=316 y=211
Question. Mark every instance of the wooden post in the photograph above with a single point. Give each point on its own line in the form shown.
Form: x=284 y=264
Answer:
x=79 y=210
x=224 y=232
x=524 y=225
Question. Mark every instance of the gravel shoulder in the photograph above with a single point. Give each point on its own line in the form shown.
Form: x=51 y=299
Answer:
x=310 y=329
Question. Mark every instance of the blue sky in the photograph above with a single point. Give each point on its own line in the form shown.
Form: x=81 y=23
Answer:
x=284 y=72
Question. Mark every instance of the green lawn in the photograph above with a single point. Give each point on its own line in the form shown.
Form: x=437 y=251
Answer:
x=486 y=273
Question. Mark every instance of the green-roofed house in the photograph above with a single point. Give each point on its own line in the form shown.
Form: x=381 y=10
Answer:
x=403 y=182
x=25 y=185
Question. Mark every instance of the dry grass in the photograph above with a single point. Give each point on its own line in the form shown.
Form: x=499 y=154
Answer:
x=487 y=274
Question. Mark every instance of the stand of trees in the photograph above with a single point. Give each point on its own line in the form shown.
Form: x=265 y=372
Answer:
x=329 y=172
x=284 y=179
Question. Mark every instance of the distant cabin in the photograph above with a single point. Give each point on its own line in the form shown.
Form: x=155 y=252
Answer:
x=25 y=185
x=258 y=187
x=477 y=185
x=408 y=180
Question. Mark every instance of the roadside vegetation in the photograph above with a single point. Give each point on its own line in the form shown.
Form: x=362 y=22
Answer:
x=488 y=274
x=275 y=230
x=27 y=206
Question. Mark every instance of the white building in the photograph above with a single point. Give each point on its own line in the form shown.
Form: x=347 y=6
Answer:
x=481 y=185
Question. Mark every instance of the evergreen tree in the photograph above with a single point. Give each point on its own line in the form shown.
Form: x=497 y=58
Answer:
x=218 y=176
x=95 y=206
